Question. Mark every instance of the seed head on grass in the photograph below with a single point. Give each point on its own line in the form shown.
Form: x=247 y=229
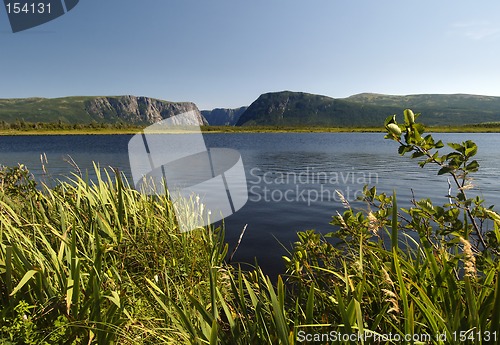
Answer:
x=390 y=296
x=387 y=278
x=469 y=259
x=344 y=201
x=342 y=221
x=373 y=224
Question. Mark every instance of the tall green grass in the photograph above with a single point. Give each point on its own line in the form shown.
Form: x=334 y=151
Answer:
x=81 y=254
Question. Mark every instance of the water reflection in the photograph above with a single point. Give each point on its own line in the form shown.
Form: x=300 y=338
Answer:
x=354 y=159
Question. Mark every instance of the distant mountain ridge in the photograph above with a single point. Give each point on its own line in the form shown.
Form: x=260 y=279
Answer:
x=223 y=116
x=429 y=100
x=127 y=109
x=285 y=108
x=289 y=108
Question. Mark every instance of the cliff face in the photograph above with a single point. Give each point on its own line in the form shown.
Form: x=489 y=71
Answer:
x=140 y=110
x=289 y=108
x=223 y=117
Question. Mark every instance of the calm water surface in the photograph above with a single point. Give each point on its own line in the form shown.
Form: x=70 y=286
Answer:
x=292 y=177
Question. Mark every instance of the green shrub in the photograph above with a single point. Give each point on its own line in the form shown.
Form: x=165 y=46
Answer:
x=437 y=273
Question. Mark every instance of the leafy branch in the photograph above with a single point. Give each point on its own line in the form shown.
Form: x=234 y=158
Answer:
x=458 y=164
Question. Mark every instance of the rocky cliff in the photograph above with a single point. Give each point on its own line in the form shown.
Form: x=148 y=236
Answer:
x=222 y=116
x=140 y=110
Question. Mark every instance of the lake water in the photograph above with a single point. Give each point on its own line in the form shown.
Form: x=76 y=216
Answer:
x=292 y=177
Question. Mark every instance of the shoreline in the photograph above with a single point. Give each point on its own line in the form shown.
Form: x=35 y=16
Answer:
x=222 y=129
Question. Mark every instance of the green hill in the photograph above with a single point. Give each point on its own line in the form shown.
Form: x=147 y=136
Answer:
x=69 y=109
x=296 y=108
x=75 y=110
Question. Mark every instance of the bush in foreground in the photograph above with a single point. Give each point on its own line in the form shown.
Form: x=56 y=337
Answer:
x=428 y=273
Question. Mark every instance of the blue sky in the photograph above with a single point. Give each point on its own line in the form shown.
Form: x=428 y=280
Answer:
x=225 y=53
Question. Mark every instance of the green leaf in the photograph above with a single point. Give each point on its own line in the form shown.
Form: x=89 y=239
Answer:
x=455 y=146
x=404 y=149
x=394 y=223
x=343 y=311
x=69 y=294
x=445 y=170
x=426 y=205
x=214 y=333
x=472 y=166
x=23 y=281
x=213 y=294
x=495 y=321
x=390 y=119
x=471 y=303
x=226 y=309
x=8 y=268
x=417 y=154
x=418 y=126
x=115 y=298
x=209 y=318
x=310 y=305
x=278 y=312
x=471 y=151
x=402 y=290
